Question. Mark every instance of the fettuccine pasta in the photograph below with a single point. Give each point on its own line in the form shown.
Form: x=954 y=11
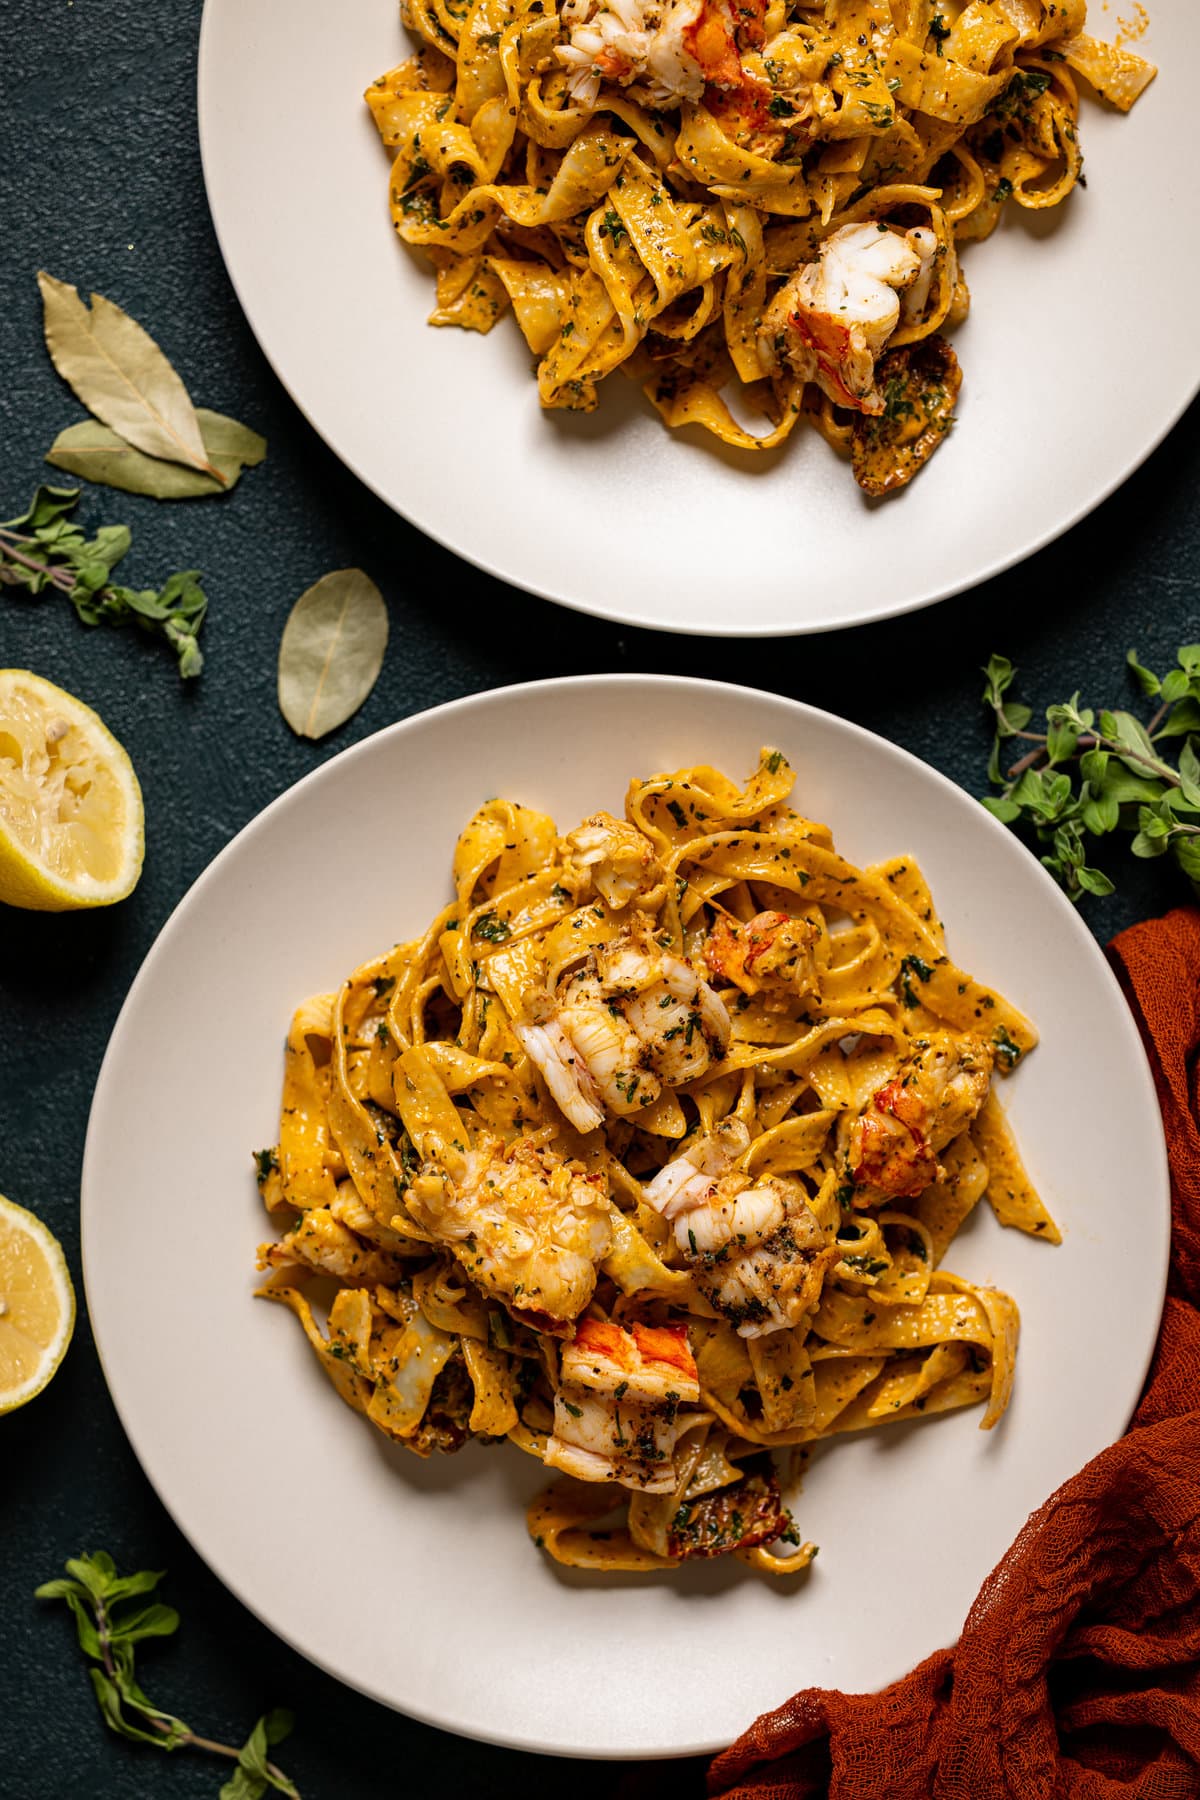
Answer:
x=752 y=207
x=645 y=1155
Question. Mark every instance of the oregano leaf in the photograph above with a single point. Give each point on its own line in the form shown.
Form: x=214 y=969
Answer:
x=151 y=1621
x=1128 y=733
x=242 y=1786
x=1005 y=810
x=1062 y=740
x=1101 y=814
x=253 y=1757
x=58 y=1590
x=1125 y=787
x=109 y=545
x=1149 y=683
x=278 y=1724
x=1094 y=881
x=1184 y=717
x=999 y=675
x=1012 y=718
x=85 y=1628
x=1189 y=774
x=92 y=1572
x=254 y=1768
x=1187 y=855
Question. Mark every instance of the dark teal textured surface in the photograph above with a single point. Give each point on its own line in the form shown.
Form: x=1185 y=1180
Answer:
x=100 y=183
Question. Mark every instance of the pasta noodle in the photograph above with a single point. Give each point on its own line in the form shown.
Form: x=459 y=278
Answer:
x=645 y=1156
x=751 y=207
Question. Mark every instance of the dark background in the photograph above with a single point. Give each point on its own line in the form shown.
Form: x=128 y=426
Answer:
x=100 y=183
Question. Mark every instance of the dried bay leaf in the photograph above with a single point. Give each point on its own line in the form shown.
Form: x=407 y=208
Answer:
x=331 y=652
x=121 y=375
x=98 y=454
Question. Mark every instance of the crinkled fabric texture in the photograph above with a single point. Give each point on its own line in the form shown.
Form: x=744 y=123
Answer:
x=1077 y=1676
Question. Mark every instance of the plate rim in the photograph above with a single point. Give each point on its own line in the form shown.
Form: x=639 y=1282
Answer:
x=496 y=567
x=90 y=1204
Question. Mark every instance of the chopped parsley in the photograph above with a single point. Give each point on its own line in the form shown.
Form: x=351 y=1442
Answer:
x=895 y=405
x=1028 y=81
x=865 y=1265
x=266 y=1162
x=613 y=227
x=910 y=966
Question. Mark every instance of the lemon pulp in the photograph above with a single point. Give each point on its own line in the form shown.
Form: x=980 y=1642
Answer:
x=70 y=806
x=37 y=1305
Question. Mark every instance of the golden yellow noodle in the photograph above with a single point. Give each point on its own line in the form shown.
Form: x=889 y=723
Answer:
x=645 y=1155
x=644 y=216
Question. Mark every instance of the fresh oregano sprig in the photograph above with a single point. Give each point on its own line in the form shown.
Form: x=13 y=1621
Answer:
x=110 y=1625
x=45 y=548
x=1091 y=773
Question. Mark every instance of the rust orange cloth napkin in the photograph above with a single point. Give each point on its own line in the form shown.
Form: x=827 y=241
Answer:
x=1077 y=1676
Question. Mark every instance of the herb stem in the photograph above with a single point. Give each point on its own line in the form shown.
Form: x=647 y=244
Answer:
x=1095 y=741
x=193 y=1741
x=203 y=1743
x=1027 y=761
x=1158 y=718
x=1031 y=737
x=1159 y=770
x=102 y=1632
x=8 y=547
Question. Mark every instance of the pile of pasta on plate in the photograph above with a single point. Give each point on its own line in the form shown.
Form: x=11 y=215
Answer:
x=752 y=207
x=644 y=1155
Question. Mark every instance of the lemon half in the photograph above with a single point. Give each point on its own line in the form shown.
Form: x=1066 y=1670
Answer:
x=71 y=822
x=37 y=1305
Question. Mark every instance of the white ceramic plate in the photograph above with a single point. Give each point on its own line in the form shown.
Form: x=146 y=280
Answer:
x=610 y=512
x=416 y=1582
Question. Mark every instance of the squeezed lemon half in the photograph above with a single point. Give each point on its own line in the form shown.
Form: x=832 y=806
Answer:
x=37 y=1305
x=71 y=821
